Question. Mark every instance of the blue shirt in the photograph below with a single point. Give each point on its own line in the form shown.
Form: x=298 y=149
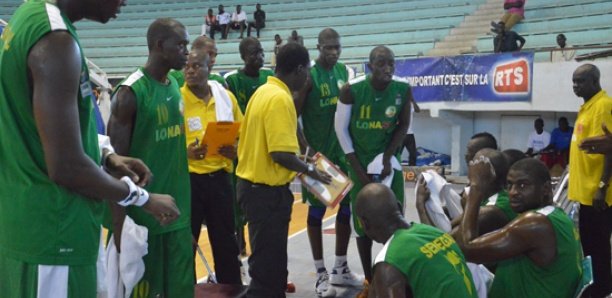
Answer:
x=561 y=140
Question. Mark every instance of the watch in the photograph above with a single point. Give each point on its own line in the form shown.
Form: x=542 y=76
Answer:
x=310 y=168
x=602 y=185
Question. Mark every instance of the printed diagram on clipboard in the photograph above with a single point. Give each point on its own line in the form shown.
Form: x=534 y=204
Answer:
x=329 y=194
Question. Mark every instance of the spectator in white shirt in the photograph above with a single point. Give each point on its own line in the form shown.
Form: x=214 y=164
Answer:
x=223 y=20
x=538 y=139
x=238 y=21
x=562 y=55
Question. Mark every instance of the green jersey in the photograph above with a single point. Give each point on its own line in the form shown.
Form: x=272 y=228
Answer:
x=158 y=139
x=40 y=221
x=374 y=116
x=179 y=76
x=244 y=86
x=501 y=201
x=430 y=261
x=520 y=277
x=320 y=107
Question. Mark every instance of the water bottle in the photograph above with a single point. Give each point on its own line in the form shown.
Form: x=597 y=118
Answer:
x=574 y=213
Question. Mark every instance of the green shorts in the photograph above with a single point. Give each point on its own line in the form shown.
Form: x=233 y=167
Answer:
x=21 y=280
x=169 y=266
x=311 y=200
x=397 y=186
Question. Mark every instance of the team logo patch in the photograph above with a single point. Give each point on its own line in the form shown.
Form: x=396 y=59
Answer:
x=390 y=111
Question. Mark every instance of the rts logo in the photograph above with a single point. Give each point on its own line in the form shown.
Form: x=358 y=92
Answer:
x=512 y=77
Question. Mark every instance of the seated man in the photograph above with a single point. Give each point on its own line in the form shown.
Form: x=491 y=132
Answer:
x=222 y=23
x=417 y=260
x=260 y=20
x=506 y=40
x=238 y=20
x=538 y=253
x=538 y=139
x=295 y=37
x=560 y=139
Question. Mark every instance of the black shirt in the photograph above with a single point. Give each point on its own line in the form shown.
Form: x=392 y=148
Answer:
x=260 y=17
x=508 y=43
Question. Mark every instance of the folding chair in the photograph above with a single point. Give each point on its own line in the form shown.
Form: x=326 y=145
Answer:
x=587 y=276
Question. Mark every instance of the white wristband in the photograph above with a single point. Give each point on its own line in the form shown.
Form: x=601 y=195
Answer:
x=137 y=195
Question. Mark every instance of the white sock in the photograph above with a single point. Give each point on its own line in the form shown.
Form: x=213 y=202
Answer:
x=340 y=261
x=320 y=266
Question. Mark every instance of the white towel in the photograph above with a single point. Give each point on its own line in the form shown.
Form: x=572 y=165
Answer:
x=376 y=167
x=126 y=269
x=483 y=278
x=223 y=103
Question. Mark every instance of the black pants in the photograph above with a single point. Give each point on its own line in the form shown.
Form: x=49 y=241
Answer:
x=410 y=144
x=222 y=28
x=595 y=232
x=211 y=201
x=267 y=210
x=256 y=26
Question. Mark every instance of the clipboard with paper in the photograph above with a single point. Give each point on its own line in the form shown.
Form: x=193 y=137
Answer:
x=219 y=134
x=329 y=194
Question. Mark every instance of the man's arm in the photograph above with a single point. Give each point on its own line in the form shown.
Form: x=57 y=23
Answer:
x=422 y=195
x=416 y=107
x=388 y=282
x=299 y=100
x=497 y=43
x=490 y=218
x=293 y=163
x=599 y=144
x=341 y=125
x=398 y=136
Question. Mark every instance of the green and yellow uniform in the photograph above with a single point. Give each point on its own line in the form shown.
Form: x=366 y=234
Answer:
x=318 y=118
x=179 y=76
x=158 y=131
x=501 y=201
x=520 y=277
x=430 y=261
x=41 y=223
x=244 y=86
x=374 y=118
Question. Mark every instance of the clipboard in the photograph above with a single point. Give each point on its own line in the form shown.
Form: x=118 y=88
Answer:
x=329 y=194
x=219 y=134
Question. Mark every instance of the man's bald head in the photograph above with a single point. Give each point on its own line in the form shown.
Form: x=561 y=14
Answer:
x=162 y=29
x=477 y=142
x=590 y=70
x=380 y=51
x=327 y=33
x=378 y=210
x=202 y=42
x=586 y=81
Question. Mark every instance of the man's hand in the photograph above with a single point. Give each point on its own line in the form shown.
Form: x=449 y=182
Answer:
x=195 y=151
x=162 y=207
x=599 y=144
x=386 y=171
x=599 y=201
x=320 y=176
x=423 y=194
x=228 y=151
x=481 y=174
x=119 y=166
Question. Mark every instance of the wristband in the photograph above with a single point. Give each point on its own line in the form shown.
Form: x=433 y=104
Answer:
x=137 y=195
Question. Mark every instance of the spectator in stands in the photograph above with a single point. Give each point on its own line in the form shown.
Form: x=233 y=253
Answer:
x=409 y=141
x=590 y=178
x=538 y=139
x=238 y=20
x=418 y=260
x=561 y=54
x=294 y=37
x=278 y=42
x=515 y=12
x=548 y=267
x=259 y=17
x=222 y=24
x=598 y=144
x=506 y=41
x=560 y=140
x=209 y=21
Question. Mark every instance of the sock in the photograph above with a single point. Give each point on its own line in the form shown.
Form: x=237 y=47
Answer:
x=320 y=266
x=340 y=261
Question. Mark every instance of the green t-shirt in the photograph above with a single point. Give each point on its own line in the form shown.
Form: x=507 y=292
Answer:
x=320 y=107
x=40 y=221
x=501 y=201
x=158 y=139
x=244 y=86
x=374 y=116
x=430 y=261
x=520 y=277
x=179 y=76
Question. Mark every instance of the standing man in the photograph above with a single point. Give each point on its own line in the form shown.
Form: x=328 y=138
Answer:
x=260 y=20
x=316 y=104
x=409 y=141
x=268 y=163
x=211 y=187
x=371 y=121
x=561 y=54
x=51 y=183
x=243 y=82
x=407 y=266
x=223 y=20
x=147 y=122
x=209 y=46
x=238 y=21
x=590 y=179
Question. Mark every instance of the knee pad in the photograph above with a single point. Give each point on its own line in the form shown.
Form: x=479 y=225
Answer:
x=315 y=216
x=344 y=214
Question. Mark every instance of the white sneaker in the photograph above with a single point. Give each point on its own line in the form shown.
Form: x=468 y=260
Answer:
x=343 y=276
x=322 y=286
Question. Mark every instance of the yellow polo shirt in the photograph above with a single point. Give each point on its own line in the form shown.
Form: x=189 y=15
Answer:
x=586 y=169
x=270 y=125
x=197 y=116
